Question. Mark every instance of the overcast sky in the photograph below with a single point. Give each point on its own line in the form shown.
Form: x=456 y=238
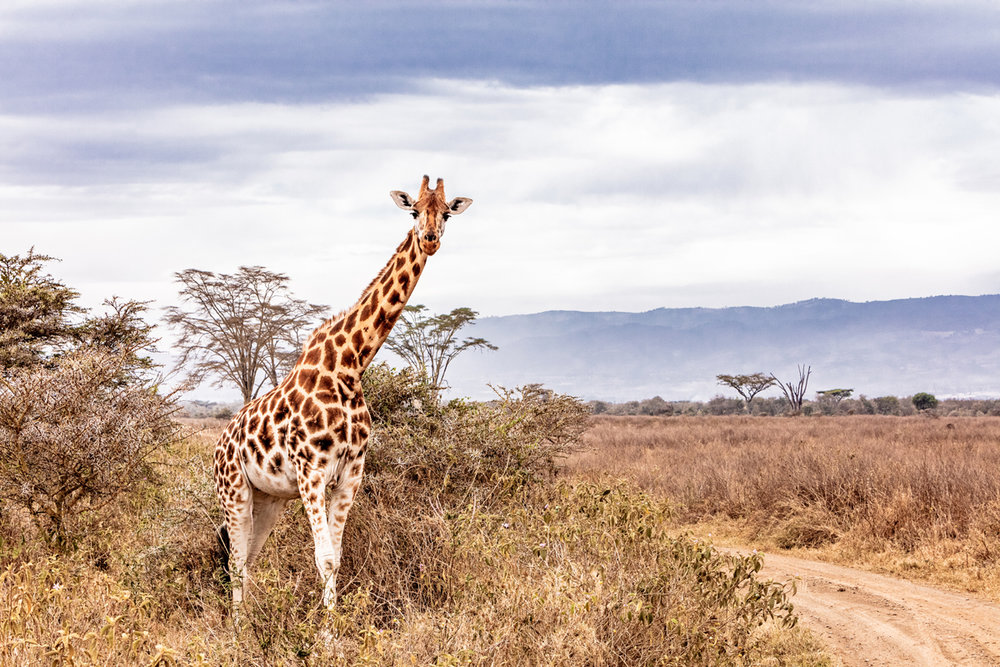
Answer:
x=621 y=155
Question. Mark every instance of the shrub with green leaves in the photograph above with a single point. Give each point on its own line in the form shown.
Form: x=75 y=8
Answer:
x=462 y=447
x=923 y=401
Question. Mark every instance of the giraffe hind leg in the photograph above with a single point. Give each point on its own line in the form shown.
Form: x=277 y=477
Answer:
x=267 y=510
x=239 y=528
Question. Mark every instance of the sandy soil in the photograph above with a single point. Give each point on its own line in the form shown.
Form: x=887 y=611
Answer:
x=871 y=619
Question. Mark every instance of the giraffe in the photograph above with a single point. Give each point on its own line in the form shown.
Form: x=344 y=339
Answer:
x=311 y=431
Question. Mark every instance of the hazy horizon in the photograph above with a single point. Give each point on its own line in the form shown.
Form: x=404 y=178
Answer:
x=944 y=344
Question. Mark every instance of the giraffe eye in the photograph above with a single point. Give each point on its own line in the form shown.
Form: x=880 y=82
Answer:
x=414 y=214
x=445 y=216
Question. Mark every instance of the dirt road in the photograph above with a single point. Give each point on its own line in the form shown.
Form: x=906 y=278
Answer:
x=871 y=619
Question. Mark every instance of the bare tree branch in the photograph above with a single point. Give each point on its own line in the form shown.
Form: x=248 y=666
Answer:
x=243 y=328
x=795 y=393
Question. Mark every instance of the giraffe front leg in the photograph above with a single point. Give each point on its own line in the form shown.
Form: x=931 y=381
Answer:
x=312 y=490
x=341 y=500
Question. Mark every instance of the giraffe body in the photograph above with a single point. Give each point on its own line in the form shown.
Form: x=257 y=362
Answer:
x=309 y=433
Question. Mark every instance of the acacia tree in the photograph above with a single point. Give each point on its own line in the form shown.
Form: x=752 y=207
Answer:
x=243 y=328
x=40 y=321
x=829 y=400
x=123 y=333
x=835 y=395
x=430 y=343
x=282 y=351
x=795 y=393
x=747 y=386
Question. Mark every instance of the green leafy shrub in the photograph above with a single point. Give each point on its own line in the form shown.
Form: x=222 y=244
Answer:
x=923 y=401
x=459 y=447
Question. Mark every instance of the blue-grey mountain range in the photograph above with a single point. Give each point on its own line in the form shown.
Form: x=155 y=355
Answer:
x=946 y=345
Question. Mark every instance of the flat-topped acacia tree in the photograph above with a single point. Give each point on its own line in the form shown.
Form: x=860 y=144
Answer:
x=747 y=386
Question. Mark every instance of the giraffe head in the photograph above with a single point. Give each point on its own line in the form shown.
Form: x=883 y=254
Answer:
x=430 y=212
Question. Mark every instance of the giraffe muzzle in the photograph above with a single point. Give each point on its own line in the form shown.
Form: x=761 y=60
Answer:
x=430 y=243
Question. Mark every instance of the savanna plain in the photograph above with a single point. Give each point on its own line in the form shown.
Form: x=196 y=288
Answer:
x=519 y=531
x=916 y=496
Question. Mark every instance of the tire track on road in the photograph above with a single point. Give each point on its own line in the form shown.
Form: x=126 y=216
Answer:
x=872 y=619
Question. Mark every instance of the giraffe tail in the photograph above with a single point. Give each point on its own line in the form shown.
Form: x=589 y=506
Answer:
x=222 y=551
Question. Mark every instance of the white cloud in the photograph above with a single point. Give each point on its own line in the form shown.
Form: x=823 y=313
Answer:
x=594 y=197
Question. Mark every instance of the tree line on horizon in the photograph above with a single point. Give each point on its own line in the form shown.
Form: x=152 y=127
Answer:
x=828 y=400
x=836 y=401
x=823 y=405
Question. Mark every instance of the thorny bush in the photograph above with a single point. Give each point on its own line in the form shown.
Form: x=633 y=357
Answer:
x=73 y=437
x=464 y=447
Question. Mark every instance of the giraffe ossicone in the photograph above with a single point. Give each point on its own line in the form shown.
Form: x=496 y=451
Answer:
x=309 y=434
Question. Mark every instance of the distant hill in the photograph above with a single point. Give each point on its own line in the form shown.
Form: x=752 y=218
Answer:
x=946 y=345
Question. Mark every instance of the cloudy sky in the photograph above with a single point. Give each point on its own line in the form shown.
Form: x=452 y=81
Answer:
x=621 y=155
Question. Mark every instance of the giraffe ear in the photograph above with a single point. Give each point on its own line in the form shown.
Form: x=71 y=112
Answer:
x=403 y=200
x=458 y=204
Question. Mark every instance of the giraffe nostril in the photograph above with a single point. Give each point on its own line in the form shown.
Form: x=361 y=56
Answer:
x=430 y=238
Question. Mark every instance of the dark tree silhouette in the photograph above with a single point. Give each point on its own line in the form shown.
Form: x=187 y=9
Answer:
x=924 y=401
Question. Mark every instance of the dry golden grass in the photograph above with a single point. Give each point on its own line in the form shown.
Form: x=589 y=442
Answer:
x=500 y=572
x=912 y=495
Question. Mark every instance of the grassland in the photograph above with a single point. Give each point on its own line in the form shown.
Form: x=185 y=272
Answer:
x=464 y=546
x=917 y=496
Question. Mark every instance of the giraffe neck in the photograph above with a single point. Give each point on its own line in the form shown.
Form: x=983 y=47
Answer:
x=347 y=343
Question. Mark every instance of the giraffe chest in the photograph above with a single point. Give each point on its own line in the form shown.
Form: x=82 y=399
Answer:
x=301 y=446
